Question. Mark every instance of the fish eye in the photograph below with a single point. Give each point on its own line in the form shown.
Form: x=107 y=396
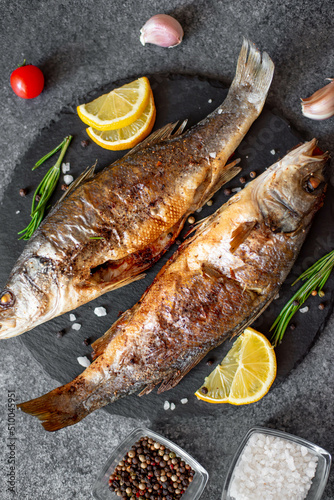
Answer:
x=7 y=299
x=312 y=183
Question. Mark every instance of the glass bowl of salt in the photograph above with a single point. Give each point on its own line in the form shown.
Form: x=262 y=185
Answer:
x=273 y=464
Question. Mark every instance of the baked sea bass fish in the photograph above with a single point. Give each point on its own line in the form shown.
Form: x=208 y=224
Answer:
x=115 y=225
x=213 y=287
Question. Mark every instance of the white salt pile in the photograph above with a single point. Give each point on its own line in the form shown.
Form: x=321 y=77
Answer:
x=273 y=468
x=100 y=311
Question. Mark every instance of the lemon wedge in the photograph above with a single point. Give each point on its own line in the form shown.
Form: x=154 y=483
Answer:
x=119 y=108
x=126 y=137
x=246 y=373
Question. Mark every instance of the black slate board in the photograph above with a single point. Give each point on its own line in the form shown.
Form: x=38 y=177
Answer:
x=177 y=97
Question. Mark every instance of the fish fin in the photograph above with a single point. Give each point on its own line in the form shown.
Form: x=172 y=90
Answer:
x=149 y=388
x=254 y=73
x=56 y=409
x=87 y=174
x=119 y=284
x=230 y=171
x=240 y=234
x=177 y=376
x=163 y=133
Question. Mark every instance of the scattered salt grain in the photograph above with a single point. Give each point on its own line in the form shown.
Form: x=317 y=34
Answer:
x=276 y=296
x=172 y=406
x=210 y=101
x=72 y=317
x=65 y=168
x=83 y=361
x=100 y=311
x=68 y=179
x=76 y=326
x=184 y=401
x=220 y=111
x=272 y=152
x=166 y=405
x=17 y=211
x=213 y=155
x=271 y=467
x=236 y=190
x=304 y=309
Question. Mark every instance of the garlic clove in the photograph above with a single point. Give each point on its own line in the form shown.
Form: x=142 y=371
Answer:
x=320 y=105
x=162 y=30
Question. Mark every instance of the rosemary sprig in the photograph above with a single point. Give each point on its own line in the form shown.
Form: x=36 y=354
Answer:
x=316 y=277
x=45 y=189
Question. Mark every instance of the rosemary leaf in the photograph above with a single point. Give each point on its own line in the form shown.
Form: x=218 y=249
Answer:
x=314 y=278
x=45 y=189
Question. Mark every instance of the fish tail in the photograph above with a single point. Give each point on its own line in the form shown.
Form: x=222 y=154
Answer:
x=56 y=409
x=254 y=74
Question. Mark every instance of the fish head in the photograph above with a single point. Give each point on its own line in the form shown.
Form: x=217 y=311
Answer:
x=293 y=188
x=23 y=303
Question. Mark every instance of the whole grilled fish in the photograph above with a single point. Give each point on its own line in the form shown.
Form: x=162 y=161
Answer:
x=112 y=227
x=214 y=286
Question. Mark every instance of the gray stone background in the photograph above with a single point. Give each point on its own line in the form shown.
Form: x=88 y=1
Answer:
x=80 y=45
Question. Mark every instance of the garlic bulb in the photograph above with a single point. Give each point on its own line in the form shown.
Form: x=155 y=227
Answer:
x=321 y=104
x=162 y=30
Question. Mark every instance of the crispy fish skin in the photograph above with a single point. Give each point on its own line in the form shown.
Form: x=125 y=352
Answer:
x=136 y=207
x=213 y=287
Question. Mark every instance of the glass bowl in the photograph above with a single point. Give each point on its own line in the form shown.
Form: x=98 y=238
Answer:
x=321 y=474
x=101 y=490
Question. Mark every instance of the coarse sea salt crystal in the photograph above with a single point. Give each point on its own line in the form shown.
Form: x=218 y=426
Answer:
x=184 y=401
x=210 y=101
x=166 y=405
x=213 y=155
x=68 y=179
x=236 y=190
x=65 y=168
x=100 y=311
x=304 y=309
x=83 y=361
x=72 y=317
x=172 y=406
x=76 y=326
x=272 y=152
x=220 y=111
x=17 y=211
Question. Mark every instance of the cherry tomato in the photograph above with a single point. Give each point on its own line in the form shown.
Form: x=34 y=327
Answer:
x=27 y=81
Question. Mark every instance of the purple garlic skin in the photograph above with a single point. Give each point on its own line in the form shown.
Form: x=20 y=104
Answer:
x=162 y=30
x=320 y=105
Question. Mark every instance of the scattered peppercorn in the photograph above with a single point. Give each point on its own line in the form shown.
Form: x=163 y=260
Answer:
x=178 y=242
x=295 y=303
x=252 y=174
x=227 y=192
x=314 y=293
x=242 y=180
x=154 y=472
x=60 y=334
x=204 y=390
x=292 y=326
x=210 y=362
x=321 y=306
x=23 y=192
x=84 y=144
x=191 y=220
x=209 y=203
x=37 y=198
x=321 y=293
x=86 y=341
x=64 y=187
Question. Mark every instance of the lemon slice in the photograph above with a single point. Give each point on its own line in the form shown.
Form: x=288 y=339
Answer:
x=126 y=137
x=119 y=108
x=246 y=373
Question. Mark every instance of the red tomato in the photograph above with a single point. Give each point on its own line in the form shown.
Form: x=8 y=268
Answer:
x=27 y=81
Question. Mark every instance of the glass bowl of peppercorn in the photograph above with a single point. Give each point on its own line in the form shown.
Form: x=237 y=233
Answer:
x=147 y=466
